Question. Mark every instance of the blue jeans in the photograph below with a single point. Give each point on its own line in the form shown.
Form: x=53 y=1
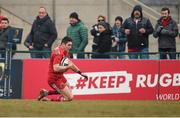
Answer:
x=44 y=53
x=140 y=54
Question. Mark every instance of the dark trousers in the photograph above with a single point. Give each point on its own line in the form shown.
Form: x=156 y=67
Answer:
x=43 y=53
x=167 y=51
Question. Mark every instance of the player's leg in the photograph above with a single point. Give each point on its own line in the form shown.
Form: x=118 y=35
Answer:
x=42 y=94
x=64 y=90
x=59 y=86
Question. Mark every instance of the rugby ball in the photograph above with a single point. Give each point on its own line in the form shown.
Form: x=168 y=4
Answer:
x=65 y=61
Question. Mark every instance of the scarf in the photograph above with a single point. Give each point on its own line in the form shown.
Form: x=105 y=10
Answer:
x=40 y=21
x=165 y=21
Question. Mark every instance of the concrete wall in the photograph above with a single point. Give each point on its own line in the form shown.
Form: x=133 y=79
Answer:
x=88 y=11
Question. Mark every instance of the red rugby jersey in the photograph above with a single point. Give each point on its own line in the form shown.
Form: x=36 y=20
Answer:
x=56 y=56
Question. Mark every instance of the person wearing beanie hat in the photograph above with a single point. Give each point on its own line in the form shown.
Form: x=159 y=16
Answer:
x=137 y=29
x=119 y=42
x=74 y=15
x=78 y=32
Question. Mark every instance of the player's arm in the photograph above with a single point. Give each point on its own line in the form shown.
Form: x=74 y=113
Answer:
x=76 y=69
x=59 y=68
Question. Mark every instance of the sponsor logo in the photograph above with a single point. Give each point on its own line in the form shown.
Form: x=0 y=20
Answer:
x=164 y=80
x=175 y=96
x=119 y=82
x=100 y=83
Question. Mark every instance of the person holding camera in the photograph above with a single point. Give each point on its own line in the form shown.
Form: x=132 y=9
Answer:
x=166 y=30
x=119 y=42
x=95 y=33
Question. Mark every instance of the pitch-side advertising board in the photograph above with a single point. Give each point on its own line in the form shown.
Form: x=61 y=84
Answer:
x=111 y=79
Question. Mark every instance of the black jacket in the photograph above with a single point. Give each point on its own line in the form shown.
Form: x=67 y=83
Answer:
x=43 y=31
x=135 y=38
x=104 y=42
x=94 y=32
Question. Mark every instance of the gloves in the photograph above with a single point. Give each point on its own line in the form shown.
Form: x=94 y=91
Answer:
x=164 y=31
x=159 y=28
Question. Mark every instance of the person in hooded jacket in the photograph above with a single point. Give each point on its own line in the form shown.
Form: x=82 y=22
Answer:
x=137 y=29
x=166 y=30
x=43 y=34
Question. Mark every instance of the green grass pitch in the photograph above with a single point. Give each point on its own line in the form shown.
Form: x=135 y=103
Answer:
x=77 y=108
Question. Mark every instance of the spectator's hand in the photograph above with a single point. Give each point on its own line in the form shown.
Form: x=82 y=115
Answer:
x=116 y=39
x=30 y=47
x=114 y=43
x=164 y=31
x=127 y=31
x=158 y=30
x=45 y=45
x=142 y=30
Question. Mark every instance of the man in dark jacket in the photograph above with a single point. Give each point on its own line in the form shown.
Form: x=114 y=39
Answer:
x=43 y=33
x=138 y=28
x=4 y=31
x=166 y=30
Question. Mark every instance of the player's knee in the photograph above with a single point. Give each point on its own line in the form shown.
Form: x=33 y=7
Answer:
x=71 y=98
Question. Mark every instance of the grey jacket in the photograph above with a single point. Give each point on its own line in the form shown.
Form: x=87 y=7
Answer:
x=4 y=38
x=166 y=35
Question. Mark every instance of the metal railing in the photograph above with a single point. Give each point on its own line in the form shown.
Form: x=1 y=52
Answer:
x=88 y=55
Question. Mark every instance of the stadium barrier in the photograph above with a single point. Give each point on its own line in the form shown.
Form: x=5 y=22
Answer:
x=88 y=55
x=110 y=79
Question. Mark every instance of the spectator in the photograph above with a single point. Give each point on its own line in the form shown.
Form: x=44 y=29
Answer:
x=104 y=41
x=166 y=30
x=119 y=42
x=28 y=42
x=138 y=28
x=43 y=33
x=79 y=34
x=95 y=32
x=1 y=17
x=5 y=27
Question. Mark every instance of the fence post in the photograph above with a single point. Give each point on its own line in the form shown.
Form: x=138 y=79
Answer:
x=7 y=70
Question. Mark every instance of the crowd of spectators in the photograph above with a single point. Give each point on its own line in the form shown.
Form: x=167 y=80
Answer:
x=108 y=42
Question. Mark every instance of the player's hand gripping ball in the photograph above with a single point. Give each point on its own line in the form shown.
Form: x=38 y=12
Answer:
x=64 y=61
